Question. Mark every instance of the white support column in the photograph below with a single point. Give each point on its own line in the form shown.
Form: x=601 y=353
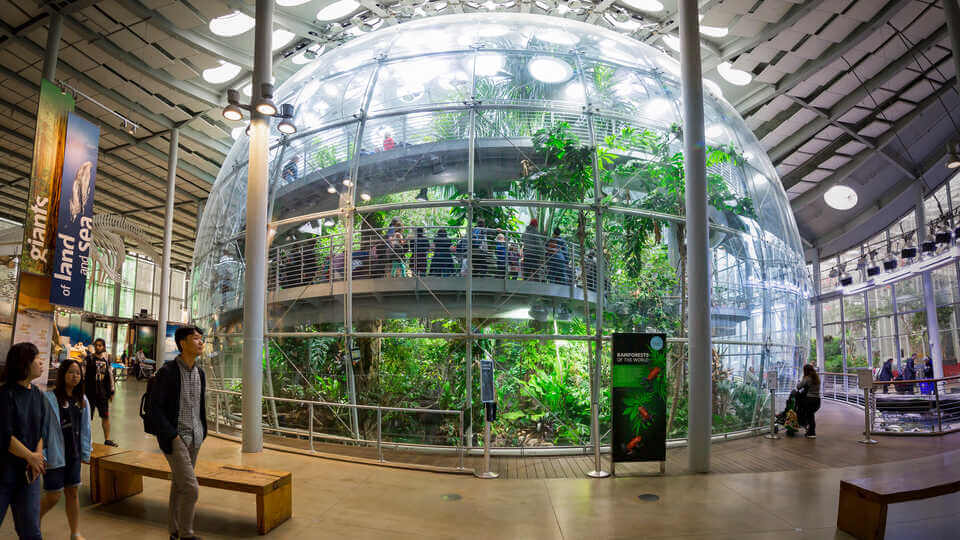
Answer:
x=255 y=244
x=698 y=256
x=818 y=311
x=164 y=314
x=929 y=300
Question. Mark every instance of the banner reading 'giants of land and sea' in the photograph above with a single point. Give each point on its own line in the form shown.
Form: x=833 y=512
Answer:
x=34 y=315
x=43 y=202
x=75 y=216
x=639 y=395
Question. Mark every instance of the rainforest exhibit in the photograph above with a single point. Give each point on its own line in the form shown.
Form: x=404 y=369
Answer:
x=505 y=187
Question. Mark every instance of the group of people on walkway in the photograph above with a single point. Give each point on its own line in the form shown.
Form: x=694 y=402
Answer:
x=46 y=436
x=394 y=253
x=888 y=373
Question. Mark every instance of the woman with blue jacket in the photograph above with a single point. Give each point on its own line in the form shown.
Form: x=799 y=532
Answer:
x=68 y=442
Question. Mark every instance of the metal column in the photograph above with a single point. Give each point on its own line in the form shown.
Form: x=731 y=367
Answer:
x=54 y=31
x=468 y=300
x=929 y=300
x=164 y=314
x=818 y=312
x=953 y=24
x=256 y=238
x=698 y=260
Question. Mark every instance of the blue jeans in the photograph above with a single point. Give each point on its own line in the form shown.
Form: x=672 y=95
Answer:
x=25 y=500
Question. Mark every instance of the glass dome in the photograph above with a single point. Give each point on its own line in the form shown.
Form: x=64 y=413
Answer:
x=519 y=172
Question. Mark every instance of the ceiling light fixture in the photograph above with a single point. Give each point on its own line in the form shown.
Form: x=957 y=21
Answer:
x=953 y=157
x=732 y=75
x=337 y=10
x=840 y=197
x=265 y=104
x=365 y=196
x=331 y=189
x=234 y=110
x=286 y=125
x=233 y=24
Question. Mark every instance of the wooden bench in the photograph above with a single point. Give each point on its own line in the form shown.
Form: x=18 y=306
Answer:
x=116 y=474
x=863 y=503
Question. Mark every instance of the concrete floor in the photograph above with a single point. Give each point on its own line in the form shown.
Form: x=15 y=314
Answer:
x=344 y=500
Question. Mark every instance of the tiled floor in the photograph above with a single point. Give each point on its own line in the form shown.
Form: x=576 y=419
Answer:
x=343 y=500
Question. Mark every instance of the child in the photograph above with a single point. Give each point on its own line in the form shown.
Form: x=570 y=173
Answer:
x=24 y=419
x=397 y=251
x=68 y=443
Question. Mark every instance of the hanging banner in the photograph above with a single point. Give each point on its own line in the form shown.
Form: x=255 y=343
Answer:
x=34 y=315
x=639 y=395
x=43 y=202
x=75 y=215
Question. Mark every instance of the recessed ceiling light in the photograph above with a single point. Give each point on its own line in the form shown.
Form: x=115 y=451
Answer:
x=549 y=69
x=291 y=3
x=281 y=37
x=733 y=75
x=713 y=31
x=671 y=41
x=337 y=10
x=651 y=6
x=233 y=24
x=222 y=73
x=840 y=197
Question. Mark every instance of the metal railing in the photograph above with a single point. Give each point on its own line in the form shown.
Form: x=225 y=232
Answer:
x=901 y=407
x=227 y=414
x=405 y=253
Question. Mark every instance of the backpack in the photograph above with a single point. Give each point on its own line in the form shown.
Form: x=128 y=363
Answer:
x=148 y=423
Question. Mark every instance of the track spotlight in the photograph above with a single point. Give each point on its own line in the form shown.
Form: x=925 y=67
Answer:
x=232 y=112
x=422 y=196
x=953 y=157
x=846 y=280
x=265 y=104
x=328 y=222
x=331 y=189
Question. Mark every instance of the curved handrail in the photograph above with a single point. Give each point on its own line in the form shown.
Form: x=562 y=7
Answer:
x=896 y=381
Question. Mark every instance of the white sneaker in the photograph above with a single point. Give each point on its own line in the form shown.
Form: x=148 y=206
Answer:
x=810 y=436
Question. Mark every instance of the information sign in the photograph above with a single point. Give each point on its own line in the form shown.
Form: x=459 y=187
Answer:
x=486 y=381
x=639 y=397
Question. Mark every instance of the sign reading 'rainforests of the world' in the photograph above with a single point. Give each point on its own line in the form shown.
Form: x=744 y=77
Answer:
x=639 y=394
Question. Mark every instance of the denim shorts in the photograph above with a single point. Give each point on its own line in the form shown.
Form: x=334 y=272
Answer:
x=66 y=476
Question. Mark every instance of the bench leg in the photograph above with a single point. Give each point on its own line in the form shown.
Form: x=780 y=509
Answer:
x=861 y=518
x=274 y=508
x=114 y=485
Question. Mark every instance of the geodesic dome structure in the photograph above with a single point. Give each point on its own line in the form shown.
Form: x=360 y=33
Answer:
x=409 y=136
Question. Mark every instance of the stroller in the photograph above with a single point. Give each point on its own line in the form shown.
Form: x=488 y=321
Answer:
x=789 y=418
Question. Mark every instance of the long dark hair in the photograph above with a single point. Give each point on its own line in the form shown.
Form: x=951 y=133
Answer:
x=61 y=389
x=810 y=371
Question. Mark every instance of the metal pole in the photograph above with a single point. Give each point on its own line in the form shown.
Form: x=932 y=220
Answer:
x=460 y=450
x=953 y=24
x=487 y=473
x=936 y=397
x=818 y=311
x=772 y=434
x=256 y=239
x=468 y=300
x=192 y=290
x=596 y=377
x=164 y=314
x=380 y=434
x=866 y=418
x=929 y=300
x=698 y=261
x=311 y=427
x=54 y=31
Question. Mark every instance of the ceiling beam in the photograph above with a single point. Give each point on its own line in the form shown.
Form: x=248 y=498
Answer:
x=750 y=103
x=845 y=171
x=196 y=40
x=813 y=163
x=894 y=160
x=802 y=135
x=210 y=97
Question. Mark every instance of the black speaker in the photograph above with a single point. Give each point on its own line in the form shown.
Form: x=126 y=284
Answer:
x=928 y=247
x=889 y=264
x=873 y=270
x=908 y=253
x=943 y=237
x=846 y=280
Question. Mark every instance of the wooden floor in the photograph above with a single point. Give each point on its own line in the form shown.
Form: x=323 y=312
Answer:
x=838 y=426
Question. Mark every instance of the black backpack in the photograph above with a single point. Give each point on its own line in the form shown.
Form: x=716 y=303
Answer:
x=148 y=424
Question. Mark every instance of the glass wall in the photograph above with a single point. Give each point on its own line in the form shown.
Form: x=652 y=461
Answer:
x=139 y=292
x=493 y=187
x=890 y=321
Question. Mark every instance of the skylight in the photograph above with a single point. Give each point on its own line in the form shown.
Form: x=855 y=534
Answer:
x=231 y=25
x=222 y=73
x=733 y=75
x=337 y=10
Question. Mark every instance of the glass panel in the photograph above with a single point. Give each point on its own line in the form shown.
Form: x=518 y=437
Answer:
x=909 y=294
x=881 y=301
